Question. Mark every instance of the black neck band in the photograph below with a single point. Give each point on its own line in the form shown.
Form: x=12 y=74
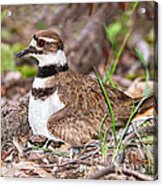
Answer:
x=50 y=70
x=42 y=93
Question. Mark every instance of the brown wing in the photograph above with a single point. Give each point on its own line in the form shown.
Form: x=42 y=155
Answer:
x=75 y=131
x=85 y=107
x=120 y=102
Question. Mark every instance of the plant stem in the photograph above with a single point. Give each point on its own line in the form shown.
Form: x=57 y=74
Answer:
x=109 y=105
x=124 y=42
x=127 y=125
x=99 y=134
x=120 y=51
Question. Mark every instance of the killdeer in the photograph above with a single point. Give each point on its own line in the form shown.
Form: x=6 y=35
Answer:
x=64 y=105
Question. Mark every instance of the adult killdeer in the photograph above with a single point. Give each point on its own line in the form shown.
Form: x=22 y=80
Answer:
x=64 y=105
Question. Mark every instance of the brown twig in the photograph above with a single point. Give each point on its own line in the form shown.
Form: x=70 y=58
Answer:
x=113 y=169
x=137 y=175
x=71 y=161
x=143 y=130
x=79 y=159
x=102 y=172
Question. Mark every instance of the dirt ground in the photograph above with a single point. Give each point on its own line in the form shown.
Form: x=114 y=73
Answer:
x=87 y=43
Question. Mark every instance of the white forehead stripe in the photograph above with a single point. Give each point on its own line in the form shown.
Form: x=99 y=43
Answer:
x=48 y=39
x=34 y=44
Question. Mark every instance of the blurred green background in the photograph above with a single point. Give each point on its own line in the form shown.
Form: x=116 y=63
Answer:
x=123 y=36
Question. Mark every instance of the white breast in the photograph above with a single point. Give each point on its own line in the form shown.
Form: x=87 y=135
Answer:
x=39 y=112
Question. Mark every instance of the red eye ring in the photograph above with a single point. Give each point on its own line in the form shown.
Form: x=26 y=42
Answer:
x=41 y=43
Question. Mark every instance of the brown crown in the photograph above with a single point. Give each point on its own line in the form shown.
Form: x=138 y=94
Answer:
x=50 y=33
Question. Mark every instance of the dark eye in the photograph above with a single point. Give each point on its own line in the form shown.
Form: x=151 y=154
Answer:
x=41 y=43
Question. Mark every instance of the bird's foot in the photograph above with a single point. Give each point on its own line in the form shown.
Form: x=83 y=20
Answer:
x=39 y=142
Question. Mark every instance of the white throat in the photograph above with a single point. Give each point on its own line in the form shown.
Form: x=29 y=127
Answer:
x=58 y=58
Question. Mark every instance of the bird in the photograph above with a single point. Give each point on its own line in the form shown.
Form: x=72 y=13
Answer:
x=67 y=106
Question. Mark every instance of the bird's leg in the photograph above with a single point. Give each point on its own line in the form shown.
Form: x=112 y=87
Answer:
x=36 y=142
x=74 y=151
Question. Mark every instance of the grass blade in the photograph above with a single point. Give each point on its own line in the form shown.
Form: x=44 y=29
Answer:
x=135 y=5
x=100 y=133
x=120 y=52
x=133 y=112
x=108 y=104
x=147 y=75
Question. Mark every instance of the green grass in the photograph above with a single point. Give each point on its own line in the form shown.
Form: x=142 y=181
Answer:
x=108 y=78
x=122 y=46
x=113 y=30
x=119 y=53
x=43 y=149
x=8 y=60
x=7 y=56
x=103 y=139
x=108 y=104
x=145 y=65
x=134 y=110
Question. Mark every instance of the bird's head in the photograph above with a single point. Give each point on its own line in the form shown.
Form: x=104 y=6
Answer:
x=47 y=47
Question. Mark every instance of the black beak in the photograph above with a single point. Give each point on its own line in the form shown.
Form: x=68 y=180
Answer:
x=29 y=50
x=22 y=53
